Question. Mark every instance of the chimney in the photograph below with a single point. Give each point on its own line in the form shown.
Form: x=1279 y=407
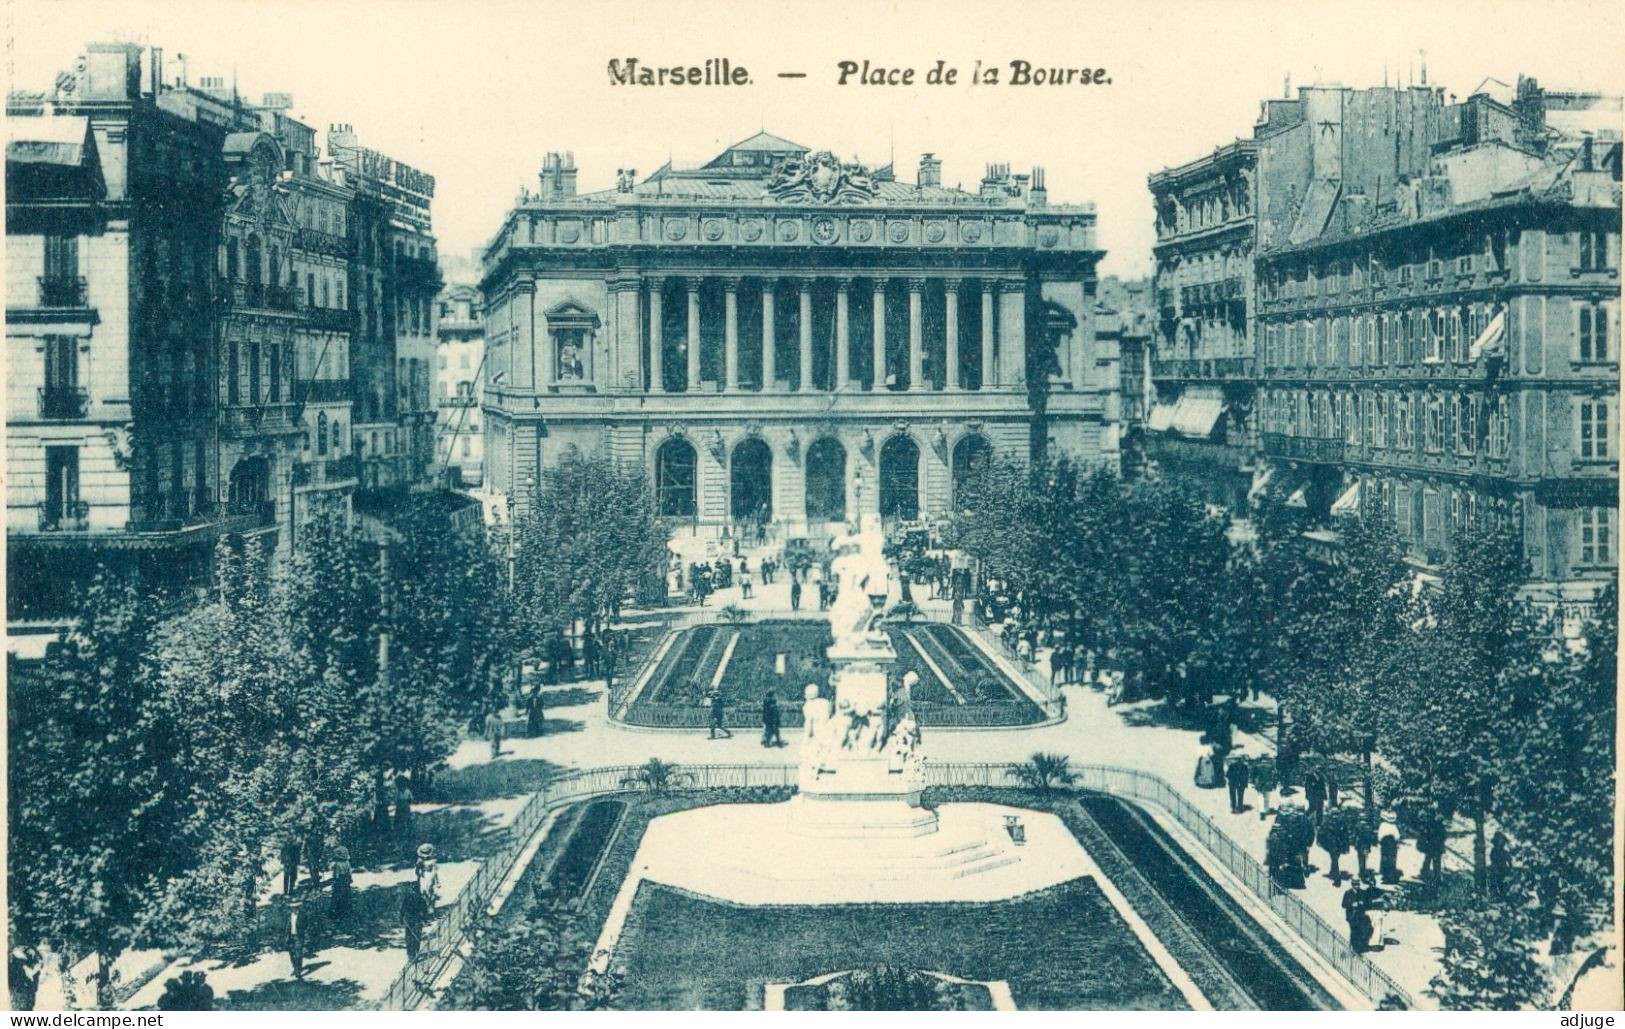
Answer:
x=567 y=180
x=930 y=171
x=1039 y=196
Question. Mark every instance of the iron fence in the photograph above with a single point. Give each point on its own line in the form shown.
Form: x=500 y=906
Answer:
x=442 y=939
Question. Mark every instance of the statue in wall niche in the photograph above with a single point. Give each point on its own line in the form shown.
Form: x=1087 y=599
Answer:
x=939 y=443
x=716 y=445
x=570 y=367
x=793 y=447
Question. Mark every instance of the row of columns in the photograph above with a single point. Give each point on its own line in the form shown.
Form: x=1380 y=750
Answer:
x=1011 y=310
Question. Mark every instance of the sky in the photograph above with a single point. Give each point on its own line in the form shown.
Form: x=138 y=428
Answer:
x=476 y=92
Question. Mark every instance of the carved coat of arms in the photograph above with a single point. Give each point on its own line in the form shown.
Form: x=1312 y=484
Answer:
x=820 y=178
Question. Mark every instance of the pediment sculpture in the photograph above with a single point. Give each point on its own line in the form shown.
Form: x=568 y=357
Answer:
x=820 y=178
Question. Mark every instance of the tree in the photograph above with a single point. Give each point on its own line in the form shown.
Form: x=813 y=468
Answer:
x=97 y=791
x=1556 y=791
x=1486 y=963
x=1045 y=773
x=588 y=540
x=1446 y=727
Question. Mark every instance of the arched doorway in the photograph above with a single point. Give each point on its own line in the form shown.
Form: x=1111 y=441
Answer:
x=250 y=484
x=900 y=478
x=972 y=455
x=675 y=479
x=752 y=481
x=826 y=481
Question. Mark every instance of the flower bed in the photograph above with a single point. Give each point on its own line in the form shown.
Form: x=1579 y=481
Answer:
x=675 y=696
x=1063 y=948
x=574 y=868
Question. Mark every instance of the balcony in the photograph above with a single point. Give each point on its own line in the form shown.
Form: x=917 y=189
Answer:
x=64 y=516
x=1202 y=368
x=242 y=516
x=62 y=291
x=319 y=242
x=336 y=471
x=330 y=319
x=459 y=400
x=258 y=296
x=417 y=273
x=63 y=403
x=1303 y=448
x=241 y=421
x=322 y=391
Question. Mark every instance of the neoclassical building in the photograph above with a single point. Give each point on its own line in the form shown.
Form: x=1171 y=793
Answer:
x=784 y=336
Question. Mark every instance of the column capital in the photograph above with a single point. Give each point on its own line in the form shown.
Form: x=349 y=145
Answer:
x=692 y=282
x=1013 y=285
x=731 y=283
x=626 y=284
x=524 y=284
x=806 y=282
x=656 y=283
x=880 y=282
x=843 y=284
x=952 y=284
x=916 y=284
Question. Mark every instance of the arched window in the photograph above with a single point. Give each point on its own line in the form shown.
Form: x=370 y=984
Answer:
x=321 y=433
x=675 y=479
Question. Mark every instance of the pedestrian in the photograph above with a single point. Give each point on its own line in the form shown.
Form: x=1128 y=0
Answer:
x=535 y=716
x=343 y=882
x=1500 y=864
x=493 y=733
x=427 y=871
x=1058 y=659
x=795 y=595
x=403 y=806
x=716 y=716
x=590 y=653
x=1354 y=913
x=413 y=914
x=249 y=884
x=770 y=722
x=1430 y=840
x=958 y=612
x=744 y=582
x=294 y=943
x=1314 y=793
x=291 y=849
x=1236 y=777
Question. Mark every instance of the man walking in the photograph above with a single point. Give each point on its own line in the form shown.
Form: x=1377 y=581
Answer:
x=414 y=912
x=493 y=734
x=535 y=715
x=1236 y=775
x=1314 y=793
x=295 y=942
x=795 y=595
x=770 y=722
x=744 y=580
x=716 y=717
x=291 y=849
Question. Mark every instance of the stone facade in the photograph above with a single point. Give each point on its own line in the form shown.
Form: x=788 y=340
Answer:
x=1427 y=328
x=781 y=335
x=459 y=382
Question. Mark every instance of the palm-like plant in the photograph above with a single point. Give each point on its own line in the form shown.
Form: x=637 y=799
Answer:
x=1045 y=773
x=657 y=777
x=733 y=614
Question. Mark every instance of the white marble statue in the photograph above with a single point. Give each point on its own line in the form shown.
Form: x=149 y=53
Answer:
x=817 y=728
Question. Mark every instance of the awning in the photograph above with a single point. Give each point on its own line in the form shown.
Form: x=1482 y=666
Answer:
x=1160 y=418
x=55 y=139
x=1348 y=505
x=1296 y=499
x=1491 y=341
x=1197 y=415
x=1261 y=479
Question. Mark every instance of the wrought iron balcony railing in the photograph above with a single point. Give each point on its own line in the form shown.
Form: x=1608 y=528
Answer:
x=64 y=516
x=66 y=402
x=62 y=291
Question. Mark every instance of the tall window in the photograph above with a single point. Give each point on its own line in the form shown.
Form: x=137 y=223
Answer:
x=276 y=373
x=1593 y=333
x=59 y=286
x=1433 y=424
x=1597 y=535
x=1595 y=436
x=1593 y=251
x=233 y=372
x=253 y=371
x=1466 y=424
x=321 y=433
x=61 y=365
x=1500 y=428
x=61 y=486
